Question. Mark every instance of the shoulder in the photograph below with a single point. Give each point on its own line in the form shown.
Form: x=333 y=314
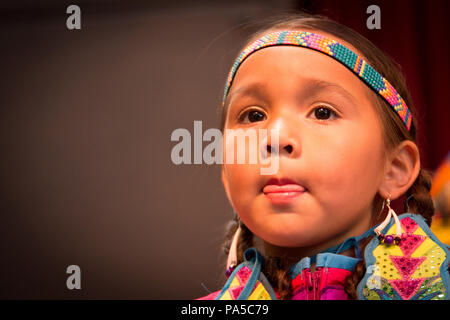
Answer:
x=415 y=269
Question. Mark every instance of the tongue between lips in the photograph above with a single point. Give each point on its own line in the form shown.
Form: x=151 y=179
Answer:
x=271 y=188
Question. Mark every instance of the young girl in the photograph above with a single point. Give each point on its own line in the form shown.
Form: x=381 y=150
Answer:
x=346 y=130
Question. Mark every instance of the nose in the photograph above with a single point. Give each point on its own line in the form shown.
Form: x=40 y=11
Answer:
x=283 y=139
x=288 y=149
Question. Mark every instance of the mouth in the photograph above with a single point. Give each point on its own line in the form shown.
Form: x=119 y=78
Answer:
x=282 y=191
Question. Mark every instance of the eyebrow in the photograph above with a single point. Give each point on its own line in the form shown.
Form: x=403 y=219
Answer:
x=312 y=87
x=254 y=90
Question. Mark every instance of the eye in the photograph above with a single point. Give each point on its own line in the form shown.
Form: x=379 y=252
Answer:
x=324 y=113
x=252 y=116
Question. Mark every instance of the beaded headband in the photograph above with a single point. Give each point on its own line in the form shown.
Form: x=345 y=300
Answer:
x=337 y=51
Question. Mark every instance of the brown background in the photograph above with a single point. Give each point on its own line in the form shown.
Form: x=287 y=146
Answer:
x=86 y=119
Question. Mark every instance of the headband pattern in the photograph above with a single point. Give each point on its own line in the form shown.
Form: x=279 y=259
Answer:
x=337 y=51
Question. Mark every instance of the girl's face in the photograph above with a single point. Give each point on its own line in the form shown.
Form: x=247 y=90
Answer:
x=330 y=144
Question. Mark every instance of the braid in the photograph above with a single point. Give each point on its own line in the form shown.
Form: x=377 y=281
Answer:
x=245 y=240
x=421 y=201
x=230 y=229
x=352 y=281
x=274 y=268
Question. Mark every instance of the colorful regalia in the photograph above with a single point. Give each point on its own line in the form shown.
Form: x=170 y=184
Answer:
x=417 y=268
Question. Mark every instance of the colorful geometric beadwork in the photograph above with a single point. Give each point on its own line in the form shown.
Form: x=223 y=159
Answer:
x=247 y=282
x=238 y=283
x=416 y=269
x=337 y=51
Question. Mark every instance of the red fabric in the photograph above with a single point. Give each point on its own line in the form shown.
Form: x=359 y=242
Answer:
x=415 y=34
x=329 y=285
x=323 y=284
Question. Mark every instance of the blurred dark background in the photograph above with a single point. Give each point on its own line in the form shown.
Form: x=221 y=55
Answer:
x=86 y=120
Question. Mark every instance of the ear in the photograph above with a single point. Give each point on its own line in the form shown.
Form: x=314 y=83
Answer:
x=401 y=170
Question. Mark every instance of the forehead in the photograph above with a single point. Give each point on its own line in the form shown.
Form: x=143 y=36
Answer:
x=320 y=61
x=287 y=68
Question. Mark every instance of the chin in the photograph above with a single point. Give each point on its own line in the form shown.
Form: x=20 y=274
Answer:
x=291 y=242
x=288 y=237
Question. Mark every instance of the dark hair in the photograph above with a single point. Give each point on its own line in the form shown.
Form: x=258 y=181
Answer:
x=394 y=132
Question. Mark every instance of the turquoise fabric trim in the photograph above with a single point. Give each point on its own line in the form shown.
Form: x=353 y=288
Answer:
x=252 y=260
x=370 y=259
x=340 y=247
x=230 y=278
x=326 y=260
x=267 y=286
x=251 y=255
x=354 y=242
x=331 y=260
x=297 y=269
x=348 y=265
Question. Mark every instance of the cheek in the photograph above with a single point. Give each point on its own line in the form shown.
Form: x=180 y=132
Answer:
x=348 y=168
x=240 y=178
x=242 y=165
x=243 y=181
x=242 y=188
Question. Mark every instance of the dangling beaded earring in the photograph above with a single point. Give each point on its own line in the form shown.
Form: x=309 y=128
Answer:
x=232 y=254
x=389 y=239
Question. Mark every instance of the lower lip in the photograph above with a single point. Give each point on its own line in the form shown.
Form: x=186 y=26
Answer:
x=284 y=196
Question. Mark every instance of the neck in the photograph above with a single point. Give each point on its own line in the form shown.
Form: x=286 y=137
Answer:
x=295 y=254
